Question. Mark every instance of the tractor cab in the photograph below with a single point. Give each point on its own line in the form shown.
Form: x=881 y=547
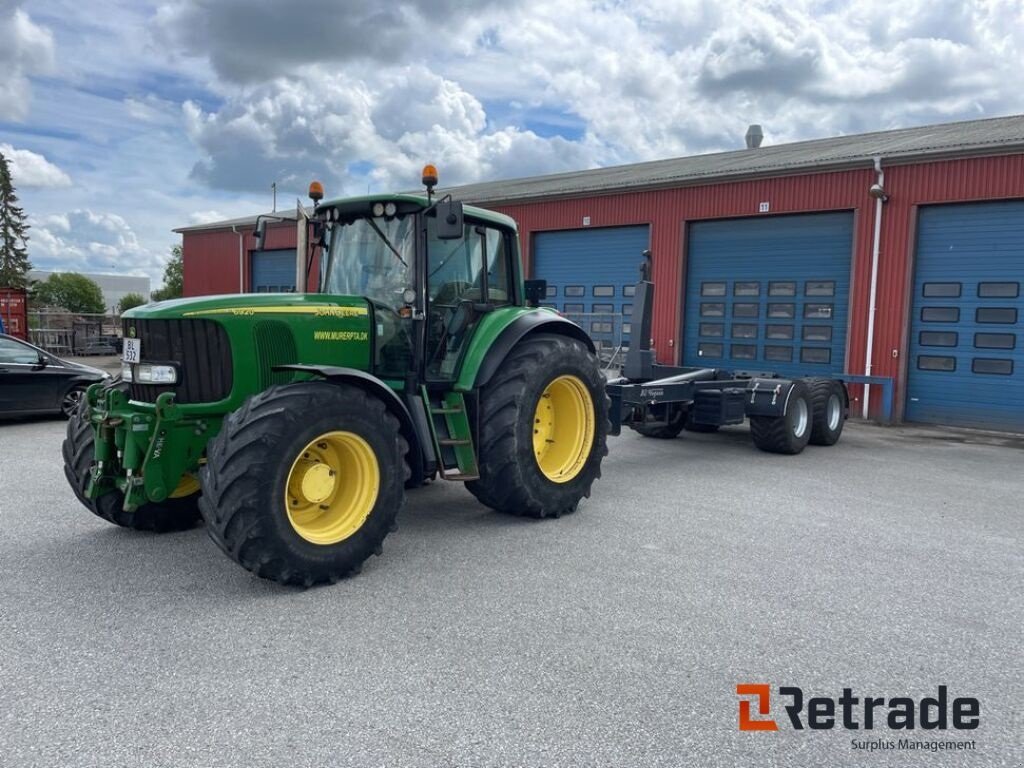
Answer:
x=431 y=269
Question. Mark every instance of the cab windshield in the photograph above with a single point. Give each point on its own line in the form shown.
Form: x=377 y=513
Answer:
x=371 y=257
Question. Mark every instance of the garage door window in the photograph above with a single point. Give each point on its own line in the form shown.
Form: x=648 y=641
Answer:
x=551 y=290
x=629 y=290
x=779 y=332
x=989 y=366
x=712 y=289
x=745 y=310
x=937 y=338
x=936 y=363
x=998 y=290
x=940 y=314
x=818 y=311
x=712 y=310
x=604 y=290
x=575 y=291
x=817 y=333
x=819 y=355
x=820 y=288
x=778 y=354
x=782 y=288
x=712 y=330
x=1006 y=315
x=744 y=331
x=746 y=289
x=574 y=308
x=709 y=350
x=606 y=309
x=743 y=351
x=782 y=311
x=995 y=340
x=941 y=290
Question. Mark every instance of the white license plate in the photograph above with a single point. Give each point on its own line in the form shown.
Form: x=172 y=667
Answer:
x=132 y=352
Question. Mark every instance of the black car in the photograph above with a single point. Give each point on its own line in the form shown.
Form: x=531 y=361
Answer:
x=34 y=381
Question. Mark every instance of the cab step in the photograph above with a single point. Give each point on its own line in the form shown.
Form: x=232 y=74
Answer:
x=452 y=435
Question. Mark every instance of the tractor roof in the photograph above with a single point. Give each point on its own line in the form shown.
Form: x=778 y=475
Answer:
x=357 y=203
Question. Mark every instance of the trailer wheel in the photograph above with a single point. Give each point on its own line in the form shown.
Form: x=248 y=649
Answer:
x=676 y=423
x=693 y=426
x=304 y=482
x=544 y=428
x=828 y=406
x=790 y=432
x=177 y=513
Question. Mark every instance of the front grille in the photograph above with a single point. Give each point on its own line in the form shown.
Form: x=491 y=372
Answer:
x=199 y=348
x=275 y=345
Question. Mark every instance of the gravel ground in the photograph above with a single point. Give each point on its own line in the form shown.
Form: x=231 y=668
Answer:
x=891 y=563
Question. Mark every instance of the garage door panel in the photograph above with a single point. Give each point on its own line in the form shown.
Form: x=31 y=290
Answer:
x=966 y=331
x=273 y=271
x=769 y=294
x=591 y=276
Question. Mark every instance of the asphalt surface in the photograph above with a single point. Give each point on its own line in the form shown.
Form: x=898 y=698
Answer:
x=891 y=563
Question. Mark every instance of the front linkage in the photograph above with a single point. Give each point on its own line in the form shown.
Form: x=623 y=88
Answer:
x=143 y=451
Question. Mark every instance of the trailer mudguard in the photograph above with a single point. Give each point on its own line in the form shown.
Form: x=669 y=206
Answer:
x=768 y=397
x=418 y=443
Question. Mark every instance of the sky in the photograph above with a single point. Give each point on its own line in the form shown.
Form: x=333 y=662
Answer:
x=123 y=119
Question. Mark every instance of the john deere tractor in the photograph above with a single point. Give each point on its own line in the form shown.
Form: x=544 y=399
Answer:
x=293 y=423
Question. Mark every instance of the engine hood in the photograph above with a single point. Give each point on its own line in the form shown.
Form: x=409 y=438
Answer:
x=245 y=304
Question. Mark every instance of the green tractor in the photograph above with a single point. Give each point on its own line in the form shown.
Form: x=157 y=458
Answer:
x=293 y=423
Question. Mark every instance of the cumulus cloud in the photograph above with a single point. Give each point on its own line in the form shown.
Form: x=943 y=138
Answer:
x=337 y=95
x=248 y=41
x=87 y=241
x=29 y=169
x=25 y=49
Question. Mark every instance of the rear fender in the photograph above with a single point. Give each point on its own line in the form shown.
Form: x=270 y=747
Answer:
x=525 y=325
x=768 y=397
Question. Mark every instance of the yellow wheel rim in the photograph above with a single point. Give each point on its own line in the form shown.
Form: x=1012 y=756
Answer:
x=332 y=487
x=563 y=429
x=188 y=485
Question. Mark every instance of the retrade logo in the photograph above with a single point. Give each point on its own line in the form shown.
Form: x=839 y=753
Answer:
x=851 y=712
x=762 y=694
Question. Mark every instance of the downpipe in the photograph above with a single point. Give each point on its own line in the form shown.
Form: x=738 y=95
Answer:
x=873 y=301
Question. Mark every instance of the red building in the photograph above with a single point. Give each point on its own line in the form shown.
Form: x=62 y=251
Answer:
x=897 y=254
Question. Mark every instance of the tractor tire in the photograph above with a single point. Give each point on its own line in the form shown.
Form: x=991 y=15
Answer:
x=789 y=433
x=544 y=429
x=828 y=408
x=304 y=482
x=160 y=517
x=668 y=431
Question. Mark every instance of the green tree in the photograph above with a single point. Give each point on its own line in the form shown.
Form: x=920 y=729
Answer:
x=71 y=291
x=129 y=301
x=14 y=263
x=174 y=278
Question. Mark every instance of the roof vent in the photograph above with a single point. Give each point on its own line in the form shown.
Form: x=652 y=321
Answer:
x=754 y=136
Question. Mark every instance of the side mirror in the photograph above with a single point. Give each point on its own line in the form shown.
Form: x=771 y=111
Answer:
x=260 y=233
x=536 y=291
x=41 y=363
x=449 y=220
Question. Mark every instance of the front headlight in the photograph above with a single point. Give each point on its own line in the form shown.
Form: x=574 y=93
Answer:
x=147 y=373
x=126 y=371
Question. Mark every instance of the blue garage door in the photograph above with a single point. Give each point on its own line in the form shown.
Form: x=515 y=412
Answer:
x=769 y=294
x=591 y=276
x=273 y=271
x=966 y=363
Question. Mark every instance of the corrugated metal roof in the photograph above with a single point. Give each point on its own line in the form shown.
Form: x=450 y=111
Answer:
x=974 y=137
x=999 y=135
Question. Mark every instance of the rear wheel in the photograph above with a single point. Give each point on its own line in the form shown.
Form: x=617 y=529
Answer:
x=544 y=428
x=790 y=432
x=316 y=505
x=178 y=512
x=828 y=408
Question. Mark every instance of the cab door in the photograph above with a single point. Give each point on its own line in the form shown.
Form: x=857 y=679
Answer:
x=466 y=279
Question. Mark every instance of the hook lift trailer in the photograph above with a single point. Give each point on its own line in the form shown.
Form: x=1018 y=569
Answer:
x=660 y=401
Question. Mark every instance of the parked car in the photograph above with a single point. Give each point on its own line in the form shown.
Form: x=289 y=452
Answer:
x=34 y=381
x=99 y=348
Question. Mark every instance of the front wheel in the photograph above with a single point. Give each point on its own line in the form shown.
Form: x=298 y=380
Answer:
x=544 y=429
x=304 y=482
